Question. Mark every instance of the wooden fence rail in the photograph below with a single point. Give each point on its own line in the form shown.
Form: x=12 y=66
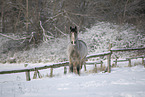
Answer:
x=99 y=55
x=127 y=49
x=66 y=63
x=55 y=65
x=129 y=60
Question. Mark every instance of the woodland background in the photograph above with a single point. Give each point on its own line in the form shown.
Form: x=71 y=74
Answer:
x=24 y=16
x=28 y=23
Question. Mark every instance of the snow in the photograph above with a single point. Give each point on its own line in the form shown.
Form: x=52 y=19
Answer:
x=121 y=82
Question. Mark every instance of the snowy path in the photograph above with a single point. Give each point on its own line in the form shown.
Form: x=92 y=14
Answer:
x=121 y=82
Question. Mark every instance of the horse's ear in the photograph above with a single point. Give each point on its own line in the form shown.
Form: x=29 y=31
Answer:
x=70 y=28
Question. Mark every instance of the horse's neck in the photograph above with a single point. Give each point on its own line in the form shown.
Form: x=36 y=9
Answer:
x=76 y=47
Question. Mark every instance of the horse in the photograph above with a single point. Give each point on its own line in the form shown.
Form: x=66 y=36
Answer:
x=77 y=52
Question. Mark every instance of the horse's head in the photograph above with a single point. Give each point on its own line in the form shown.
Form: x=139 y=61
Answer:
x=73 y=35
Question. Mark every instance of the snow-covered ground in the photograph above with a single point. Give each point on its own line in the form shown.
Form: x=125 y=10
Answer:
x=121 y=82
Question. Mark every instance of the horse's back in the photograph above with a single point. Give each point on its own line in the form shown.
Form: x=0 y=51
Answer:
x=82 y=48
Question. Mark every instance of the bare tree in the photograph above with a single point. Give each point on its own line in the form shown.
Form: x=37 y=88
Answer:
x=23 y=17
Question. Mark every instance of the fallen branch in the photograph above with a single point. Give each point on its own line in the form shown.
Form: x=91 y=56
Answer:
x=82 y=15
x=67 y=16
x=4 y=35
x=45 y=36
x=50 y=18
x=59 y=30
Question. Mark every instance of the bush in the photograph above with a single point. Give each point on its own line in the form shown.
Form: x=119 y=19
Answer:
x=97 y=39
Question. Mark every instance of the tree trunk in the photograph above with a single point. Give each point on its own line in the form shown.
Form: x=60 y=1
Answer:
x=27 y=15
x=2 y=18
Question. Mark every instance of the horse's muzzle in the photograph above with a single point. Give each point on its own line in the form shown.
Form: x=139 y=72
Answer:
x=73 y=42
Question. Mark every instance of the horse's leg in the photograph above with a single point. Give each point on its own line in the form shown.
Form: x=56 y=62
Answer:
x=71 y=68
x=79 y=66
x=83 y=62
x=75 y=67
x=70 y=65
x=78 y=69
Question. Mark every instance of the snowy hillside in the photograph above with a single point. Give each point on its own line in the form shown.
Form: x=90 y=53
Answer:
x=97 y=38
x=121 y=82
x=121 y=36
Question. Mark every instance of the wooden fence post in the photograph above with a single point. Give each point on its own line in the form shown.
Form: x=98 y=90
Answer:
x=115 y=62
x=96 y=68
x=85 y=67
x=28 y=76
x=35 y=75
x=51 y=72
x=65 y=70
x=129 y=62
x=101 y=65
x=142 y=61
x=109 y=59
x=39 y=75
x=95 y=65
x=26 y=64
x=27 y=73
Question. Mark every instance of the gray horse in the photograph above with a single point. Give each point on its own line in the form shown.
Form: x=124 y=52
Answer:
x=77 y=51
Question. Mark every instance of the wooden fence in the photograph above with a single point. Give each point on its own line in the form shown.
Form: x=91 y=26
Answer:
x=27 y=70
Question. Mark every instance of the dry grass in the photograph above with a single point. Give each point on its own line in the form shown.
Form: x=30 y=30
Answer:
x=97 y=69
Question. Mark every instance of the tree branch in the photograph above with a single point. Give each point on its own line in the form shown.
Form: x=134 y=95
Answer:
x=59 y=30
x=13 y=37
x=45 y=36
